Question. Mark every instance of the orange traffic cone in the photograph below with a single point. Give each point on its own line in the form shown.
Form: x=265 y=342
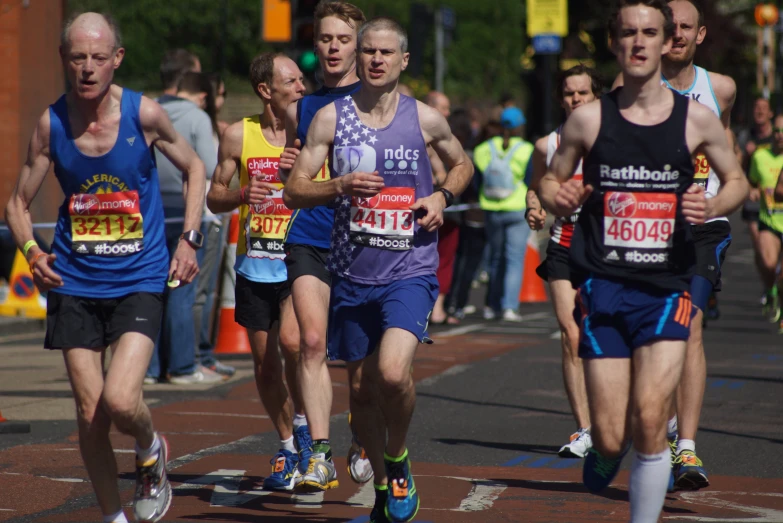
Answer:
x=532 y=290
x=13 y=427
x=23 y=298
x=232 y=337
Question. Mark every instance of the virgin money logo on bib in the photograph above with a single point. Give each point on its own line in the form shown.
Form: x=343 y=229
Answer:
x=266 y=207
x=622 y=205
x=86 y=204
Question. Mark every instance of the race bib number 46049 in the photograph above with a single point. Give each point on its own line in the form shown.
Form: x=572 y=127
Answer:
x=384 y=221
x=639 y=227
x=108 y=224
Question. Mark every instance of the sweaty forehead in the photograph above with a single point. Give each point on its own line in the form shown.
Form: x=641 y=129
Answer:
x=579 y=82
x=335 y=26
x=640 y=17
x=381 y=39
x=285 y=67
x=91 y=31
x=684 y=11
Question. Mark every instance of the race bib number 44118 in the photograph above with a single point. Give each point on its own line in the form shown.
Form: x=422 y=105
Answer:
x=108 y=224
x=639 y=227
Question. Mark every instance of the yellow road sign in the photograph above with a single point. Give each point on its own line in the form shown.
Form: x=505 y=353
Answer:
x=547 y=17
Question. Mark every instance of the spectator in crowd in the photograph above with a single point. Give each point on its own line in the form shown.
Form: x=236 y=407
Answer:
x=502 y=162
x=174 y=357
x=220 y=98
x=471 y=228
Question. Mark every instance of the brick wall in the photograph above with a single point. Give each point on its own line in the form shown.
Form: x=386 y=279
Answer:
x=31 y=79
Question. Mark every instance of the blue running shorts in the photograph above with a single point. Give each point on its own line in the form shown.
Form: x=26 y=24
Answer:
x=359 y=314
x=617 y=318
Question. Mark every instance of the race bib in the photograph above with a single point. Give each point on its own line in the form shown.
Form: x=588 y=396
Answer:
x=701 y=170
x=106 y=224
x=773 y=207
x=384 y=221
x=266 y=226
x=639 y=227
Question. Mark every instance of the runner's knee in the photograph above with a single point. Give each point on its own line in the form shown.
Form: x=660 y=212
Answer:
x=121 y=406
x=395 y=380
x=313 y=345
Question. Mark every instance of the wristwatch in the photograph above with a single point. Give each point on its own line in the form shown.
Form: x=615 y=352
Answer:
x=447 y=195
x=194 y=238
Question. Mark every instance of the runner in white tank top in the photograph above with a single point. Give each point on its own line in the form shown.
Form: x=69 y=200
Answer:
x=578 y=86
x=711 y=239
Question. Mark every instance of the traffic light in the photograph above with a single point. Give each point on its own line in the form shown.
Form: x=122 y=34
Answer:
x=304 y=41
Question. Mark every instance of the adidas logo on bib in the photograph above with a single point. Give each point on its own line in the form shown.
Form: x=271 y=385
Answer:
x=613 y=256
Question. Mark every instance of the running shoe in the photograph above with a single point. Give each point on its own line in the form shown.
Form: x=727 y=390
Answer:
x=672 y=458
x=378 y=514
x=598 y=471
x=713 y=312
x=284 y=472
x=512 y=316
x=222 y=368
x=580 y=443
x=402 y=502
x=489 y=314
x=320 y=474
x=771 y=308
x=304 y=444
x=152 y=498
x=689 y=473
x=359 y=467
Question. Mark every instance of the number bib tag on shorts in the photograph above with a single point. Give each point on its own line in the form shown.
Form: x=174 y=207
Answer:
x=107 y=224
x=384 y=221
x=639 y=227
x=701 y=170
x=773 y=207
x=266 y=226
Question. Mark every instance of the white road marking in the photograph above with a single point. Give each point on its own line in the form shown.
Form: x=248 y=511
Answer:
x=711 y=499
x=451 y=371
x=456 y=331
x=308 y=499
x=226 y=414
x=226 y=492
x=481 y=497
x=555 y=335
x=364 y=497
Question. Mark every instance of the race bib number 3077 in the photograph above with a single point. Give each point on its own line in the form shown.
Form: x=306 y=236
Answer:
x=639 y=227
x=108 y=224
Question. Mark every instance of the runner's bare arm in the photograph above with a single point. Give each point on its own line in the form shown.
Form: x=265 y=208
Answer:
x=705 y=134
x=558 y=192
x=292 y=144
x=156 y=123
x=303 y=191
x=168 y=141
x=220 y=198
x=17 y=212
x=536 y=215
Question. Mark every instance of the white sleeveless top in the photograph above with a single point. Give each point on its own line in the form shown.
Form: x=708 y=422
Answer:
x=563 y=228
x=701 y=91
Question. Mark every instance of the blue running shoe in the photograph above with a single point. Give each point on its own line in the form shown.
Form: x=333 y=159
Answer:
x=304 y=444
x=284 y=471
x=402 y=502
x=378 y=514
x=598 y=471
x=673 y=458
x=689 y=473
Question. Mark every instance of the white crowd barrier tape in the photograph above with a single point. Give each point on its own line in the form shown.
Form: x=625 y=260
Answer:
x=51 y=225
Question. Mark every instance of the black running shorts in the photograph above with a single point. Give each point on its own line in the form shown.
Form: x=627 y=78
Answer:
x=258 y=304
x=96 y=323
x=711 y=241
x=556 y=265
x=306 y=260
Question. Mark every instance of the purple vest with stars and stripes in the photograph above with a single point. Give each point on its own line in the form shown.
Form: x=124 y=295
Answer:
x=377 y=240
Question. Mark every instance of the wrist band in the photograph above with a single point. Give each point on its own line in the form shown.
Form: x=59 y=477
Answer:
x=27 y=246
x=35 y=259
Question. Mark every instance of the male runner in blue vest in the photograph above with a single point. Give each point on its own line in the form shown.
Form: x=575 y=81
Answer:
x=109 y=262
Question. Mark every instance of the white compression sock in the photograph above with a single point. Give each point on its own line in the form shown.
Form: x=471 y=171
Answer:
x=145 y=454
x=686 y=444
x=288 y=444
x=647 y=489
x=299 y=420
x=671 y=428
x=119 y=517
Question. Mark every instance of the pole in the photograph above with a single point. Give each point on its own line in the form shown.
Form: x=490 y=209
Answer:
x=221 y=52
x=440 y=61
x=548 y=62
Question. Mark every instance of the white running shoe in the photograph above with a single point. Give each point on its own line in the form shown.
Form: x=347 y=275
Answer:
x=512 y=315
x=359 y=467
x=489 y=314
x=580 y=443
x=153 y=490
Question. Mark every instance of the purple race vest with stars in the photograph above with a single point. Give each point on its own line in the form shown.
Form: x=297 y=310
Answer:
x=377 y=240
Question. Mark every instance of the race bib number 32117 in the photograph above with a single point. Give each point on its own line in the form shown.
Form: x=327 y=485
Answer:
x=108 y=224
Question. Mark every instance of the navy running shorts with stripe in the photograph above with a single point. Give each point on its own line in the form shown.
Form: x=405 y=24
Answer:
x=359 y=314
x=617 y=318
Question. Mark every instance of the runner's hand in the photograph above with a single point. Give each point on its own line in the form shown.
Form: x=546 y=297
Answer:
x=433 y=206
x=257 y=191
x=44 y=276
x=571 y=195
x=754 y=195
x=536 y=218
x=184 y=267
x=694 y=205
x=288 y=158
x=363 y=185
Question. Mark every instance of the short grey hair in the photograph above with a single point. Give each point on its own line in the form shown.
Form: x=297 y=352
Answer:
x=110 y=21
x=383 y=23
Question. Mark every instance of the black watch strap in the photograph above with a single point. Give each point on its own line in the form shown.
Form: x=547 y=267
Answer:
x=448 y=196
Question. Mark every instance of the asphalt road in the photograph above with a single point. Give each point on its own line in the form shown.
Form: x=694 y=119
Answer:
x=491 y=414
